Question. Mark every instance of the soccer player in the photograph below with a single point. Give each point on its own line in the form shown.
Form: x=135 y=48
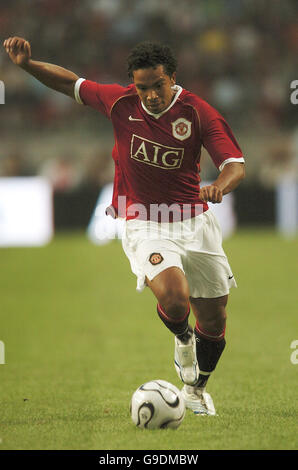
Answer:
x=171 y=237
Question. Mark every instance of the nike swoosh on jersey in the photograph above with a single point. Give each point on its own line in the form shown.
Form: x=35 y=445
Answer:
x=134 y=119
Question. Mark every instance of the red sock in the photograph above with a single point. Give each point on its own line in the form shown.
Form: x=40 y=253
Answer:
x=178 y=326
x=209 y=336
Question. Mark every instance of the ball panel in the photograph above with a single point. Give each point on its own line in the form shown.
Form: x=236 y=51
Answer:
x=168 y=394
x=145 y=414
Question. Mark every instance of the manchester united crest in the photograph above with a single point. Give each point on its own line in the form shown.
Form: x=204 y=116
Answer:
x=181 y=128
x=155 y=258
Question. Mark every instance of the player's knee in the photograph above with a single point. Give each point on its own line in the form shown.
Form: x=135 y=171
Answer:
x=176 y=309
x=215 y=322
x=175 y=303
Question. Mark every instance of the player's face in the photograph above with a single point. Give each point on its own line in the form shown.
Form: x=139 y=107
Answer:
x=154 y=88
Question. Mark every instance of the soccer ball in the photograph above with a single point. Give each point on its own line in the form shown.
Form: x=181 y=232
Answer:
x=157 y=404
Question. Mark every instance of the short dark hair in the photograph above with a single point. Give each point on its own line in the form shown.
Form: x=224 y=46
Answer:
x=151 y=54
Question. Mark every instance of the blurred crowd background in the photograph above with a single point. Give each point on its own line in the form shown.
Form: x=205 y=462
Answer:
x=239 y=55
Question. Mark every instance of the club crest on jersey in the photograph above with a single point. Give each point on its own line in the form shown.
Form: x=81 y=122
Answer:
x=155 y=258
x=181 y=128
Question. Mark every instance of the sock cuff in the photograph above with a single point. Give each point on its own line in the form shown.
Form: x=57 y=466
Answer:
x=170 y=319
x=207 y=335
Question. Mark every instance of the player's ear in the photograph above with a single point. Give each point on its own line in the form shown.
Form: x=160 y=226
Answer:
x=173 y=79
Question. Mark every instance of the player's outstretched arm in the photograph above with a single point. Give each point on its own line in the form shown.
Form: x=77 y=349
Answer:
x=227 y=180
x=53 y=76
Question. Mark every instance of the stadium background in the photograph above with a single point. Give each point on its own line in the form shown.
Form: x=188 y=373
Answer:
x=239 y=55
x=78 y=339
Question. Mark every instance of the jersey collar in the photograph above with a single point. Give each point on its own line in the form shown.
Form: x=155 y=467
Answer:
x=178 y=89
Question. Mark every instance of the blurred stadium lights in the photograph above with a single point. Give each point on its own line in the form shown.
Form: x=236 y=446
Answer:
x=2 y=92
x=287 y=206
x=26 y=217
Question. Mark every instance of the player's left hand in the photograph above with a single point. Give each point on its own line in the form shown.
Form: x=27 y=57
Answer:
x=211 y=193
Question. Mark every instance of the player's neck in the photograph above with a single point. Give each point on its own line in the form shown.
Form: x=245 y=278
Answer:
x=176 y=92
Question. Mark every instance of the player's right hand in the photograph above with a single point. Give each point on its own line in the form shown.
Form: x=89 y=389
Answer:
x=18 y=49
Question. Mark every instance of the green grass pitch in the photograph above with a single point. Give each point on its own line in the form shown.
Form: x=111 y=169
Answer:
x=79 y=340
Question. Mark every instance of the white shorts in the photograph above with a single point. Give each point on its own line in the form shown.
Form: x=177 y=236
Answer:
x=193 y=245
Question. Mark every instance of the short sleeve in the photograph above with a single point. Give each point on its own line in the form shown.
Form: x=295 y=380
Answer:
x=98 y=96
x=218 y=138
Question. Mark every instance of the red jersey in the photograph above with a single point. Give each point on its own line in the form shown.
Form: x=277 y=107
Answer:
x=157 y=156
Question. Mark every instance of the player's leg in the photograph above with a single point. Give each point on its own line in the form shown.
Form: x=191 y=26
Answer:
x=209 y=332
x=170 y=288
x=210 y=279
x=157 y=263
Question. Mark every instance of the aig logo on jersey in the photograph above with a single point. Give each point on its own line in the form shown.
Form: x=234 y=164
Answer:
x=181 y=128
x=155 y=154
